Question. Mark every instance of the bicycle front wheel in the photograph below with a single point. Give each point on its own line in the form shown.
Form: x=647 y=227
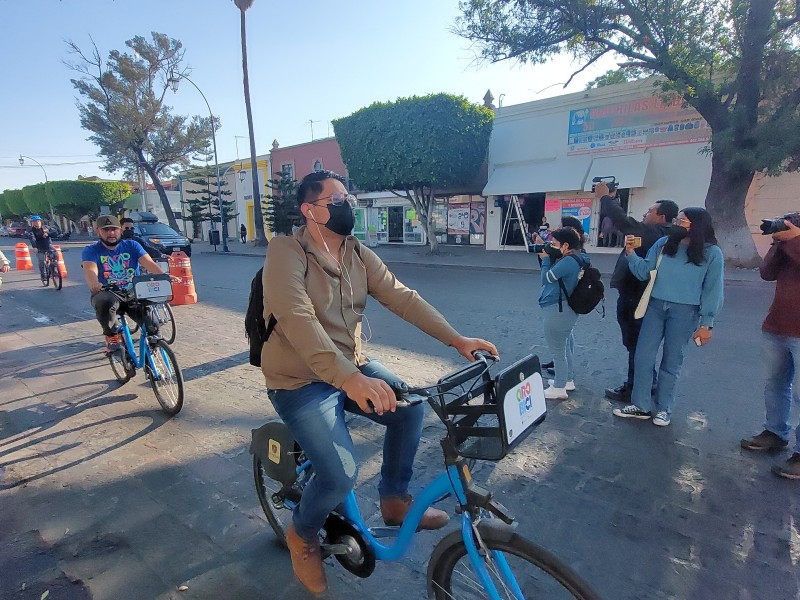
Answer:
x=166 y=320
x=55 y=275
x=167 y=380
x=536 y=572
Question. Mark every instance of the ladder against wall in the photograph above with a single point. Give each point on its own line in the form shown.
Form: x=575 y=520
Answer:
x=513 y=213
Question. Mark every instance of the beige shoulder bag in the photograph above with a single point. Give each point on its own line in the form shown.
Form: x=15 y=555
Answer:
x=641 y=308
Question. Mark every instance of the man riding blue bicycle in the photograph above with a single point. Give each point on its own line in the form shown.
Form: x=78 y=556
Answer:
x=315 y=368
x=114 y=261
x=41 y=242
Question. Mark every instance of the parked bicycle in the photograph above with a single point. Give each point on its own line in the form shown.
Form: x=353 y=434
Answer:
x=162 y=313
x=154 y=356
x=484 y=417
x=51 y=270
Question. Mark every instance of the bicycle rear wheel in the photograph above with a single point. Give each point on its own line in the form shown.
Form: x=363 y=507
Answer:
x=538 y=573
x=55 y=275
x=167 y=381
x=279 y=516
x=166 y=320
x=121 y=365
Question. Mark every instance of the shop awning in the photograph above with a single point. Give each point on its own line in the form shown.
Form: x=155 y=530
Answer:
x=539 y=176
x=630 y=170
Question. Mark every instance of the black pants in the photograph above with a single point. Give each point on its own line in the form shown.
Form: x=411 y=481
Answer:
x=108 y=307
x=630 y=327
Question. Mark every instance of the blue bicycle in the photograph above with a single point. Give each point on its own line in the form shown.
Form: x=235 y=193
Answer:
x=485 y=417
x=155 y=356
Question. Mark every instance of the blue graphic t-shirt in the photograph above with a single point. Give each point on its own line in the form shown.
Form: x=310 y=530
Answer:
x=118 y=265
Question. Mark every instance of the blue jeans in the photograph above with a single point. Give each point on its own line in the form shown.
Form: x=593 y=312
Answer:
x=314 y=414
x=783 y=363
x=558 y=335
x=673 y=324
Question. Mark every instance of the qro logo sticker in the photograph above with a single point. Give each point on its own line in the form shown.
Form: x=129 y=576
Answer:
x=274 y=451
x=524 y=399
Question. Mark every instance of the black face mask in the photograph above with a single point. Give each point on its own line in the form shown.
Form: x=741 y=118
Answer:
x=342 y=219
x=553 y=253
x=127 y=234
x=678 y=233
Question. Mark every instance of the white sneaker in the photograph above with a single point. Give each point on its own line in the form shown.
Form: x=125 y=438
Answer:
x=554 y=393
x=570 y=387
x=661 y=419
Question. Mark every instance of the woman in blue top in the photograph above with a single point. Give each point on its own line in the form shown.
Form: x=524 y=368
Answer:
x=559 y=318
x=687 y=296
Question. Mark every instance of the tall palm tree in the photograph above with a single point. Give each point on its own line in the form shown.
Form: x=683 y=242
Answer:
x=261 y=238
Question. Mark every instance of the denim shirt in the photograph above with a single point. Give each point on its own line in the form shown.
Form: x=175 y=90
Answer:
x=683 y=282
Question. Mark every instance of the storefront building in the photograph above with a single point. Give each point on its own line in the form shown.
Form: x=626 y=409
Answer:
x=547 y=153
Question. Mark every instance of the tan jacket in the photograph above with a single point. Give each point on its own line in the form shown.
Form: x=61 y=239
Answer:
x=318 y=331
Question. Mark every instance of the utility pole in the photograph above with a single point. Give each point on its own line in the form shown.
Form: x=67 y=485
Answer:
x=311 y=122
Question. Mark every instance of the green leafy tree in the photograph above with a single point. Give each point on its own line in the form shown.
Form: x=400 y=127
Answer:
x=16 y=203
x=613 y=77
x=259 y=218
x=5 y=209
x=36 y=200
x=121 y=102
x=76 y=199
x=416 y=147
x=282 y=203
x=735 y=61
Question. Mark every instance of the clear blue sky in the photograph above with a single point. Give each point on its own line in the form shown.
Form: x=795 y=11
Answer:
x=309 y=60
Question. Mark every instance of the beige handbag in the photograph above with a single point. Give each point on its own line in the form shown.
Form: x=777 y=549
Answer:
x=641 y=308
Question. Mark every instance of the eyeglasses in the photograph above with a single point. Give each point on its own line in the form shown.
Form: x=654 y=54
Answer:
x=679 y=220
x=338 y=198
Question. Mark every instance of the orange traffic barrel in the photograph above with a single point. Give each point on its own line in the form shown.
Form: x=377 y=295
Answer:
x=62 y=267
x=23 y=256
x=183 y=292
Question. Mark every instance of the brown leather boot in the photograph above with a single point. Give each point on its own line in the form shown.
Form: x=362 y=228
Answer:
x=306 y=562
x=395 y=508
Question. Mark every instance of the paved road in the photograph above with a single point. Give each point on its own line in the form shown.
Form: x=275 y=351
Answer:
x=103 y=497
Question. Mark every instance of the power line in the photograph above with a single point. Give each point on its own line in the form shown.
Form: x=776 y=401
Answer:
x=63 y=164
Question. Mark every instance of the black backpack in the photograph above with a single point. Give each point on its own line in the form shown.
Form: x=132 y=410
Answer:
x=589 y=292
x=256 y=329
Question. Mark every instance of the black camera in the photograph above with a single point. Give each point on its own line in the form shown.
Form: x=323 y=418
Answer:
x=770 y=226
x=609 y=180
x=536 y=248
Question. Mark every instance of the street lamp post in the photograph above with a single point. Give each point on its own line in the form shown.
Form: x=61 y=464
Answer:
x=22 y=158
x=173 y=82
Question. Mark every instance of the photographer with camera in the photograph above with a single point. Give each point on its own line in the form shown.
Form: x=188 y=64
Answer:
x=782 y=334
x=655 y=224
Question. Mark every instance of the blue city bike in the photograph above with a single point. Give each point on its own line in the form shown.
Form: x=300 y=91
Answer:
x=155 y=356
x=485 y=417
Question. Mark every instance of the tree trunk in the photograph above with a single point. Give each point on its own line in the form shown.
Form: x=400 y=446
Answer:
x=260 y=235
x=725 y=201
x=161 y=193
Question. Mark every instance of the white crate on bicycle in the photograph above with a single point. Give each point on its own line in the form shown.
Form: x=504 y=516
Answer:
x=152 y=288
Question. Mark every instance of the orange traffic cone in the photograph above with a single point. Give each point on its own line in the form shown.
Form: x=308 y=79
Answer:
x=183 y=292
x=23 y=256
x=62 y=267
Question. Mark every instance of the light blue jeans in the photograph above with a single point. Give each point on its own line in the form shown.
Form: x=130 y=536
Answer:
x=314 y=414
x=561 y=341
x=673 y=324
x=782 y=355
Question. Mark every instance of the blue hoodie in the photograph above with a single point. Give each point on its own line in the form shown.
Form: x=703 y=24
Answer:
x=566 y=269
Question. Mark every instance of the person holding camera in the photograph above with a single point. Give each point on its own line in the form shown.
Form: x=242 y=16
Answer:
x=686 y=298
x=562 y=259
x=781 y=330
x=655 y=224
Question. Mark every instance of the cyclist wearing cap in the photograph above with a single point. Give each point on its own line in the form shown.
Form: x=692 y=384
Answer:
x=40 y=241
x=129 y=234
x=113 y=260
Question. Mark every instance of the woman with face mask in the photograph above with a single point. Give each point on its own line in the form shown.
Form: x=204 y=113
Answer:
x=686 y=297
x=561 y=260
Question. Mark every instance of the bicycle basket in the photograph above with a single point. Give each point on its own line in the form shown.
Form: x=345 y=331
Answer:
x=491 y=418
x=152 y=289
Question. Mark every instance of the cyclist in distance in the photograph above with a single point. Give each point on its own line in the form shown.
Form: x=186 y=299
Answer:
x=315 y=368
x=112 y=260
x=129 y=234
x=39 y=237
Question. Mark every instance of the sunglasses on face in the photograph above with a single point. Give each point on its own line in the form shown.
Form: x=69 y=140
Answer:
x=339 y=198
